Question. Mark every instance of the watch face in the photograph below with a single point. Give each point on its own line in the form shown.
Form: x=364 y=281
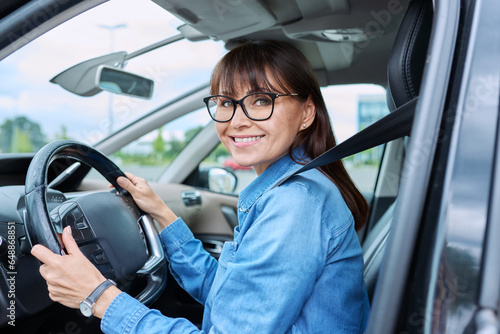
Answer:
x=86 y=308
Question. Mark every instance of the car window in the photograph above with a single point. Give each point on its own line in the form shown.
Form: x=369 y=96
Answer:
x=150 y=155
x=34 y=111
x=352 y=108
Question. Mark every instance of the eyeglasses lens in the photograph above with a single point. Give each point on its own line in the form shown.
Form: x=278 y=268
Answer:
x=257 y=107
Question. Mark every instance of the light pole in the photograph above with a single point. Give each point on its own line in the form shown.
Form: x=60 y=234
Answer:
x=111 y=30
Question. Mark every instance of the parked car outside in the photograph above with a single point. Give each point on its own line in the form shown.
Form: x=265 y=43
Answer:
x=230 y=163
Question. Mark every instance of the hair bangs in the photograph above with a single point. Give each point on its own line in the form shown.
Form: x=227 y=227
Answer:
x=246 y=69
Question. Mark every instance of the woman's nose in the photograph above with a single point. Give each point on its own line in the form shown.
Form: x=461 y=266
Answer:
x=240 y=119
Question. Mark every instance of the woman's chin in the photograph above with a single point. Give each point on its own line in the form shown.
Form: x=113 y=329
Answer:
x=243 y=163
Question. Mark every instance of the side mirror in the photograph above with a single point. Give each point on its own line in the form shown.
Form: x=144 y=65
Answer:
x=221 y=180
x=215 y=179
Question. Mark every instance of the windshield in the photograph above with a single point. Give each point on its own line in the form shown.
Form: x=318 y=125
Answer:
x=34 y=111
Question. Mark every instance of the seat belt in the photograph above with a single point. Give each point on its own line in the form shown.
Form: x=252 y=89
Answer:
x=393 y=126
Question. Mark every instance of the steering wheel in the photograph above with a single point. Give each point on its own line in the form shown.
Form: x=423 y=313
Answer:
x=109 y=228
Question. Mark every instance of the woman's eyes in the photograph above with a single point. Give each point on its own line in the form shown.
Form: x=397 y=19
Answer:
x=226 y=103
x=262 y=102
x=256 y=101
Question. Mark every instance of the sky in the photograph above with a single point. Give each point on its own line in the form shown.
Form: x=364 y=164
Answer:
x=25 y=89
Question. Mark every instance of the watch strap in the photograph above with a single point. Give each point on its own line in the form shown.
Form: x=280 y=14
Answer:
x=92 y=298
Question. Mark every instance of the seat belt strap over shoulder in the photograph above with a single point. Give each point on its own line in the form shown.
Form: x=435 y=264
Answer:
x=395 y=125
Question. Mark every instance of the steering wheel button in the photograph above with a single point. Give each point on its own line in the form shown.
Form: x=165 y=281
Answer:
x=81 y=223
x=89 y=249
x=87 y=234
x=99 y=257
x=77 y=235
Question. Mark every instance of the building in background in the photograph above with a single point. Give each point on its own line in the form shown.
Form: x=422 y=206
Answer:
x=370 y=108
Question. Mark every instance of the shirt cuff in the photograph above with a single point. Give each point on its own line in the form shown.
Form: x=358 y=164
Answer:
x=175 y=235
x=122 y=314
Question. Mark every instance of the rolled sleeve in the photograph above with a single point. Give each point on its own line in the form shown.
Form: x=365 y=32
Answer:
x=125 y=315
x=175 y=235
x=122 y=314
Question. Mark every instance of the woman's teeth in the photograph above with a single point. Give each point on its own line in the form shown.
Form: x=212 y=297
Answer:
x=247 y=139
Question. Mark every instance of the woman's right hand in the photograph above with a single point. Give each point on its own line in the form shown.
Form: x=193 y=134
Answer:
x=147 y=199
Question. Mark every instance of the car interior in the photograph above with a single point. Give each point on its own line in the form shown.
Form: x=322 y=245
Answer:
x=377 y=42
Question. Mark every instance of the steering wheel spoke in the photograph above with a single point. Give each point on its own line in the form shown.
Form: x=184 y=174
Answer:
x=155 y=267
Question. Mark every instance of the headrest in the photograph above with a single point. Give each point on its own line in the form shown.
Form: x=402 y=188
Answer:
x=407 y=58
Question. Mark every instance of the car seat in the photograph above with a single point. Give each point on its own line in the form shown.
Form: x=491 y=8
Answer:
x=404 y=75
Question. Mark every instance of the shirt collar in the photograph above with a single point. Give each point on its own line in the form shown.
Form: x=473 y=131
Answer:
x=279 y=170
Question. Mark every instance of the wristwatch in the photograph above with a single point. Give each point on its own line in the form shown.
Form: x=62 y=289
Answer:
x=88 y=303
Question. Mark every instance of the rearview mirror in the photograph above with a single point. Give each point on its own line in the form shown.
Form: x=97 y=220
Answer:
x=121 y=82
x=92 y=76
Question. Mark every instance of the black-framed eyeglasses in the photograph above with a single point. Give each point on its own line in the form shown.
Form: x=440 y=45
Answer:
x=256 y=106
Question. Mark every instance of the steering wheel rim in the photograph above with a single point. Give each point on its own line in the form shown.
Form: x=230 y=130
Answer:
x=38 y=223
x=42 y=232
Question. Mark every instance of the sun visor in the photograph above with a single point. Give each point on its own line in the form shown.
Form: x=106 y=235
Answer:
x=221 y=19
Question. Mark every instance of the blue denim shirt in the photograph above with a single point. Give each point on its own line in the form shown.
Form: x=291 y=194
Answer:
x=295 y=266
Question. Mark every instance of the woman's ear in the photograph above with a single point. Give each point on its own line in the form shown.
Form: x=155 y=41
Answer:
x=309 y=113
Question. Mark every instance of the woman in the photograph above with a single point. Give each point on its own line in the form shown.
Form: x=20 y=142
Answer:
x=295 y=265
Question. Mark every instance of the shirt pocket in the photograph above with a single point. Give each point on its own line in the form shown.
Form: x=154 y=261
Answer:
x=228 y=253
x=225 y=258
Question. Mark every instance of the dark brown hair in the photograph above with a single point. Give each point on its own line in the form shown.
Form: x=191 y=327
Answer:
x=251 y=63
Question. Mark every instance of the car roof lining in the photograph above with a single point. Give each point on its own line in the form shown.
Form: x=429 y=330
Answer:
x=302 y=23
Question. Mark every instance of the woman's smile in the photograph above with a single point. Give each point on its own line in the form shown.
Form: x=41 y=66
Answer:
x=243 y=141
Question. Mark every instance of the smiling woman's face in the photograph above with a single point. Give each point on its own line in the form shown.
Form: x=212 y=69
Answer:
x=258 y=144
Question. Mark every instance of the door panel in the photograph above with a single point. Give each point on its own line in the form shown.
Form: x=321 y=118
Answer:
x=205 y=218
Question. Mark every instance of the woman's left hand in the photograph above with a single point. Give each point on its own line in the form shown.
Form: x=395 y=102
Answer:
x=71 y=277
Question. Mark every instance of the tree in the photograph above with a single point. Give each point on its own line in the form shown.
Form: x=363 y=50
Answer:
x=63 y=134
x=21 y=135
x=159 y=145
x=22 y=140
x=174 y=147
x=191 y=133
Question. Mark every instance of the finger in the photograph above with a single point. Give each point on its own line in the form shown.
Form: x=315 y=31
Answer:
x=130 y=175
x=136 y=180
x=42 y=253
x=43 y=271
x=69 y=242
x=126 y=184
